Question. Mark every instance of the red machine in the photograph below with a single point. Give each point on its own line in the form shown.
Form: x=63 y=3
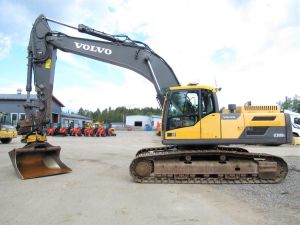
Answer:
x=51 y=131
x=104 y=129
x=100 y=132
x=58 y=131
x=111 y=132
x=63 y=131
x=76 y=131
x=89 y=131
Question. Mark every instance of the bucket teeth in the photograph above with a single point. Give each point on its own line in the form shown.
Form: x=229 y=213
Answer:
x=37 y=159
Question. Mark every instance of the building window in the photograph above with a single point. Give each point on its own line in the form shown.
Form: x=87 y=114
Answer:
x=22 y=116
x=76 y=123
x=14 y=119
x=138 y=123
x=65 y=123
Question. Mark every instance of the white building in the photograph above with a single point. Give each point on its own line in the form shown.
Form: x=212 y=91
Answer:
x=142 y=121
x=74 y=120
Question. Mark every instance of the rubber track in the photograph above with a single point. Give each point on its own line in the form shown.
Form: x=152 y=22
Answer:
x=166 y=152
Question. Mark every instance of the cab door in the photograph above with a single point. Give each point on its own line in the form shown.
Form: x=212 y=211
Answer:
x=210 y=123
x=182 y=119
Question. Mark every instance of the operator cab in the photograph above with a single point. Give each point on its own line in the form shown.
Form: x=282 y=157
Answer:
x=185 y=107
x=4 y=118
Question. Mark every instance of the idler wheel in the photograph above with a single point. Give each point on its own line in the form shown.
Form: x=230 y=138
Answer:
x=223 y=158
x=144 y=168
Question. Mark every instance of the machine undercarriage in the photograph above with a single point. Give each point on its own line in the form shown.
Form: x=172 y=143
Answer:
x=211 y=165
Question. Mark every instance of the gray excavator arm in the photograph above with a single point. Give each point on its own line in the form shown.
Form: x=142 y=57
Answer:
x=44 y=42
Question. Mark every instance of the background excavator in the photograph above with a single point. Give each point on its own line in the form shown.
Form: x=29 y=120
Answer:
x=103 y=129
x=7 y=131
x=195 y=133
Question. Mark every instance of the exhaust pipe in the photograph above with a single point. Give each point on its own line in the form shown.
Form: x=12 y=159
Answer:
x=37 y=159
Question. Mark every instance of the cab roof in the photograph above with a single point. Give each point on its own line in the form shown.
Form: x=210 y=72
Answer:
x=194 y=87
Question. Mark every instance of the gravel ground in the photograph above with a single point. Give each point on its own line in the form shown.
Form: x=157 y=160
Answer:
x=100 y=190
x=280 y=203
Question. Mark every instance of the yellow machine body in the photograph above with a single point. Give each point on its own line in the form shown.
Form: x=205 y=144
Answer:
x=196 y=125
x=33 y=138
x=7 y=132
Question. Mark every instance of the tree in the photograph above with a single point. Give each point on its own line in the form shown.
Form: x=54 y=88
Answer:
x=292 y=104
x=117 y=115
x=296 y=104
x=81 y=111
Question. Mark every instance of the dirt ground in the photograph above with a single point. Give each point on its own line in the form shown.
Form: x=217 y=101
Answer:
x=100 y=190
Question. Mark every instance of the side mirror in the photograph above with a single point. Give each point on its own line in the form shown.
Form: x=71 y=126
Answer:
x=231 y=108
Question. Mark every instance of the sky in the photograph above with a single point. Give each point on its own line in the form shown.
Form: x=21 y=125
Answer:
x=250 y=49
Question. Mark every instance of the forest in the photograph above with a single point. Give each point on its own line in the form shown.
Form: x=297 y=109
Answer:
x=292 y=104
x=118 y=114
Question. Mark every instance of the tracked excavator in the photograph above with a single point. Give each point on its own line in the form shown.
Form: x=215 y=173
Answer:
x=197 y=138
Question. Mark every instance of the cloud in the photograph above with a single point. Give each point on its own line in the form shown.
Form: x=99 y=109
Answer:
x=12 y=88
x=224 y=55
x=188 y=34
x=92 y=88
x=134 y=92
x=260 y=39
x=15 y=20
x=5 y=46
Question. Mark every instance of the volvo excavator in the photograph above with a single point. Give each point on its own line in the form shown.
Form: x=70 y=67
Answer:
x=197 y=138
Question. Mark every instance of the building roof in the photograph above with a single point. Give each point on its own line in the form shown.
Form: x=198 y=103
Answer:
x=152 y=116
x=156 y=116
x=137 y=115
x=23 y=97
x=74 y=116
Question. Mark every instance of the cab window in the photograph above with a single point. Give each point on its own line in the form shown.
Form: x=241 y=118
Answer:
x=207 y=103
x=183 y=109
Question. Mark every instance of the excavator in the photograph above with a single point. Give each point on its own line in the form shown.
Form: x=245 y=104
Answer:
x=199 y=141
x=7 y=132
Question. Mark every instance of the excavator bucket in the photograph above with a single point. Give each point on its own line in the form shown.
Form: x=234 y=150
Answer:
x=37 y=160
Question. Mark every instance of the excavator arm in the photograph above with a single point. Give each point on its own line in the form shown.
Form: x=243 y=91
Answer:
x=133 y=55
x=38 y=158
